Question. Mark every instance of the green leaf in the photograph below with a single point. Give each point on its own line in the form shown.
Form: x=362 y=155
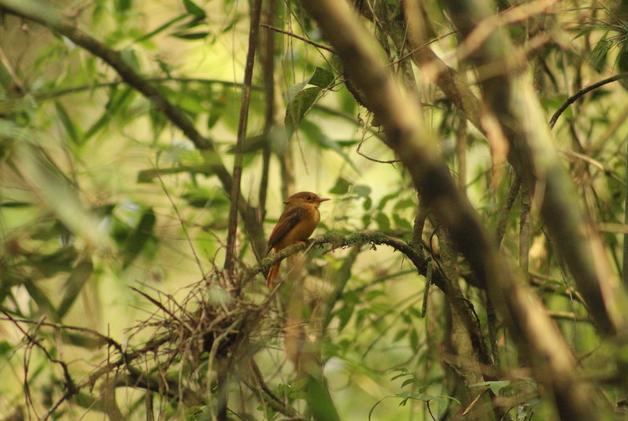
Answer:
x=600 y=53
x=341 y=187
x=123 y=5
x=161 y=28
x=74 y=284
x=402 y=223
x=383 y=223
x=216 y=111
x=194 y=9
x=496 y=386
x=91 y=403
x=409 y=381
x=344 y=315
x=386 y=198
x=5 y=348
x=71 y=129
x=42 y=300
x=191 y=35
x=404 y=204
x=319 y=400
x=15 y=204
x=400 y=334
x=414 y=339
x=58 y=194
x=299 y=106
x=361 y=190
x=129 y=56
x=139 y=237
x=322 y=78
x=117 y=99
x=53 y=263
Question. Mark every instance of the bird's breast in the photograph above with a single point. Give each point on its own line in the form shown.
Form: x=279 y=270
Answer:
x=303 y=229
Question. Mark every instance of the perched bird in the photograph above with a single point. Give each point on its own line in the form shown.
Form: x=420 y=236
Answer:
x=296 y=224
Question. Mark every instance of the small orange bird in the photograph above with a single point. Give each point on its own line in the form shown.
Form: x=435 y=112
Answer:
x=296 y=224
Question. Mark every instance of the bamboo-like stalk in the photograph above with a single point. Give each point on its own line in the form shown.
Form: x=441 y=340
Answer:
x=256 y=11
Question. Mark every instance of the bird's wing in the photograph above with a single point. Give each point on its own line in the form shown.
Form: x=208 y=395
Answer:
x=288 y=220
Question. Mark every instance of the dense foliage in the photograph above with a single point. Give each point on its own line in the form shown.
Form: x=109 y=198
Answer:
x=471 y=262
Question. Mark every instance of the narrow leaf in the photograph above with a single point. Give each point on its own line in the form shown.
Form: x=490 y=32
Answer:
x=299 y=106
x=74 y=284
x=139 y=237
x=70 y=128
x=194 y=9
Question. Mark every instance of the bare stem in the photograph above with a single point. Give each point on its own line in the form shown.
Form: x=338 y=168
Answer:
x=244 y=118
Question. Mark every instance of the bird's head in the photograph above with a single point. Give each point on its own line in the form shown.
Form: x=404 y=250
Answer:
x=305 y=198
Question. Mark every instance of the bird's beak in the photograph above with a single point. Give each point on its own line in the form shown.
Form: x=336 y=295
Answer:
x=323 y=199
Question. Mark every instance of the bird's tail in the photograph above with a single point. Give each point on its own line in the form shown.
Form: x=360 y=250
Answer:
x=273 y=272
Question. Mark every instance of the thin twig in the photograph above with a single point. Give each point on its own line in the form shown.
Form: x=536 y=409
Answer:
x=299 y=37
x=583 y=92
x=256 y=11
x=183 y=227
x=100 y=85
x=379 y=161
x=268 y=395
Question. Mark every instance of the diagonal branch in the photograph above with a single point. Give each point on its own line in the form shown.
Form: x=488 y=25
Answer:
x=583 y=92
